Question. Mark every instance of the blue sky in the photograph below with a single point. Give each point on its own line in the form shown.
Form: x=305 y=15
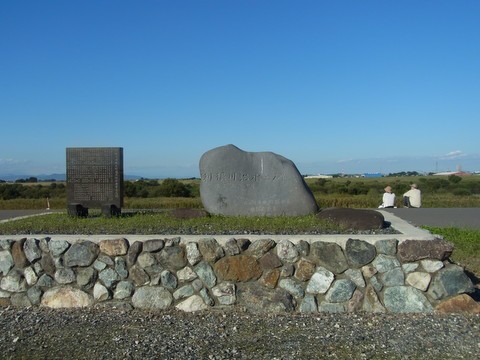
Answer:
x=335 y=86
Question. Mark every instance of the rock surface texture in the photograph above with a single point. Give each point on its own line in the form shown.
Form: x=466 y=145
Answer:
x=236 y=182
x=261 y=276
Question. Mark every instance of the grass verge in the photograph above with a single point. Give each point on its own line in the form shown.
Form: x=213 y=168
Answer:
x=163 y=223
x=467 y=246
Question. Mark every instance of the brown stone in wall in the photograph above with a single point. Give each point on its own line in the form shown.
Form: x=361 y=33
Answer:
x=305 y=270
x=18 y=255
x=270 y=261
x=270 y=279
x=414 y=250
x=48 y=264
x=133 y=251
x=115 y=247
x=238 y=268
x=459 y=304
x=5 y=302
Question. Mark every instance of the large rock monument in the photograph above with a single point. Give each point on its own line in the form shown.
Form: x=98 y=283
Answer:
x=236 y=182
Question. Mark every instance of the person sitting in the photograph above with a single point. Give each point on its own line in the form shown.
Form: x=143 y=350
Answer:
x=413 y=197
x=388 y=200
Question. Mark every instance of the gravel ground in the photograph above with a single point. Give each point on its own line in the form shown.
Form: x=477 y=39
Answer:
x=38 y=333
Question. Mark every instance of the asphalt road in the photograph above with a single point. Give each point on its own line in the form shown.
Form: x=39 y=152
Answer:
x=10 y=214
x=440 y=217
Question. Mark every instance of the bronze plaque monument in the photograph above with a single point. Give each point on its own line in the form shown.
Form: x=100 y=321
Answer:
x=94 y=180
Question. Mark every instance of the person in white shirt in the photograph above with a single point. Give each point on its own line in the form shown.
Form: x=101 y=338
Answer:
x=388 y=200
x=413 y=197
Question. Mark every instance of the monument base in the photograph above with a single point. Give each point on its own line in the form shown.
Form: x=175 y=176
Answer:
x=77 y=210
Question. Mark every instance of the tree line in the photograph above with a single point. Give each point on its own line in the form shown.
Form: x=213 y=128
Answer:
x=145 y=188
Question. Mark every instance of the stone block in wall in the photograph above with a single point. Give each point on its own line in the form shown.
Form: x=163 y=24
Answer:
x=371 y=302
x=356 y=276
x=121 y=267
x=269 y=261
x=329 y=256
x=83 y=253
x=341 y=291
x=450 y=281
x=384 y=263
x=206 y=274
x=293 y=287
x=231 y=247
x=86 y=277
x=359 y=252
x=6 y=262
x=287 y=251
x=168 y=280
x=123 y=290
x=132 y=253
x=260 y=299
x=6 y=244
x=138 y=276
x=270 y=278
x=114 y=247
x=58 y=247
x=192 y=304
x=109 y=277
x=14 y=282
x=406 y=299
x=152 y=298
x=308 y=304
x=172 y=257
x=47 y=263
x=459 y=304
x=66 y=297
x=431 y=265
x=419 y=280
x=100 y=292
x=414 y=250
x=35 y=295
x=320 y=281
x=32 y=250
x=225 y=293
x=18 y=255
x=387 y=246
x=64 y=276
x=305 y=269
x=238 y=268
x=393 y=277
x=193 y=253
x=210 y=249
x=260 y=247
x=183 y=292
x=356 y=301
x=30 y=276
x=20 y=300
x=154 y=245
x=332 y=307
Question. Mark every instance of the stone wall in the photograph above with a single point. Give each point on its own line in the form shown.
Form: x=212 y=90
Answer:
x=263 y=275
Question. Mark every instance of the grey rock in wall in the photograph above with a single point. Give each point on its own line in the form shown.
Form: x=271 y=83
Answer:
x=235 y=182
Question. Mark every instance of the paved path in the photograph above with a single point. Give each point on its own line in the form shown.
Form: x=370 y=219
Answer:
x=440 y=217
x=10 y=214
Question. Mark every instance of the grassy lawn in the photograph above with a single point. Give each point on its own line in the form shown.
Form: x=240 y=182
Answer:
x=467 y=246
x=163 y=223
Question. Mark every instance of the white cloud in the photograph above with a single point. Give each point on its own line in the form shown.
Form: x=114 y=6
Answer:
x=10 y=161
x=453 y=155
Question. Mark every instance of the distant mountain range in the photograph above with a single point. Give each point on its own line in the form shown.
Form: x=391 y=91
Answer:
x=56 y=177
